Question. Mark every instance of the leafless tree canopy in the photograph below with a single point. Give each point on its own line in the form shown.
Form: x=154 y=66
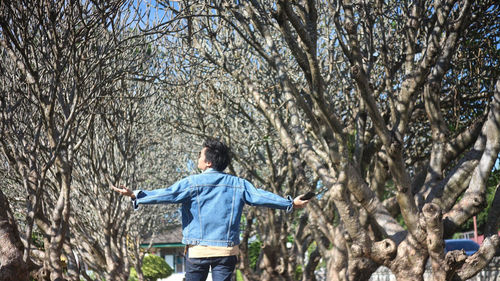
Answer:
x=390 y=111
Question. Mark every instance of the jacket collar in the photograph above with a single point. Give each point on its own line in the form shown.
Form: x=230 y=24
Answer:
x=210 y=170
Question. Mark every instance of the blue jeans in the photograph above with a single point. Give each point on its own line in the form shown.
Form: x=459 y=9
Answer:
x=222 y=268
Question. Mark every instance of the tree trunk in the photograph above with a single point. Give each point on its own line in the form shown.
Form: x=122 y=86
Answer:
x=335 y=271
x=60 y=220
x=409 y=263
x=12 y=265
x=72 y=263
x=270 y=263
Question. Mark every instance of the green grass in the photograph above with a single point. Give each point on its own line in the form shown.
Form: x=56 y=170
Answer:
x=239 y=276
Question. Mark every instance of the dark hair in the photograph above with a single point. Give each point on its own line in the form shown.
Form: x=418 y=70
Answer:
x=218 y=153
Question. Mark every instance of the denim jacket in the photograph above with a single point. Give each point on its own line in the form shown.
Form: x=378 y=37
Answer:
x=212 y=203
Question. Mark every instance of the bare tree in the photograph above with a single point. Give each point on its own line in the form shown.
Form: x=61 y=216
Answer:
x=370 y=101
x=389 y=109
x=129 y=145
x=57 y=67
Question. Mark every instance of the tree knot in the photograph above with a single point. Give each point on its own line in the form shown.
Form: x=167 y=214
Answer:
x=350 y=27
x=383 y=250
x=356 y=71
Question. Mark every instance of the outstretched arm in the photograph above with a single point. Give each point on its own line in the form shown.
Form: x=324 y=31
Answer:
x=260 y=197
x=176 y=193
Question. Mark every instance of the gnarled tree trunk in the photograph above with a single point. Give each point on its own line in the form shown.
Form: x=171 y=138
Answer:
x=12 y=265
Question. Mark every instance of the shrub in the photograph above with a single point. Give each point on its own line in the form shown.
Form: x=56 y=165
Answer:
x=153 y=268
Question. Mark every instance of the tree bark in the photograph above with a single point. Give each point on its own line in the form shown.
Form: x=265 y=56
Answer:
x=12 y=265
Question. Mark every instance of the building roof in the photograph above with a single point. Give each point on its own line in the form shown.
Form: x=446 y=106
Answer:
x=171 y=235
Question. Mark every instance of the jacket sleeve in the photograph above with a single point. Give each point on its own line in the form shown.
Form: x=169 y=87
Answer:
x=259 y=197
x=176 y=193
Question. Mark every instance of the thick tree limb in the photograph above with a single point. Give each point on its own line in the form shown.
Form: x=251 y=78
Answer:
x=435 y=244
x=474 y=197
x=452 y=186
x=373 y=206
x=493 y=219
x=480 y=259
